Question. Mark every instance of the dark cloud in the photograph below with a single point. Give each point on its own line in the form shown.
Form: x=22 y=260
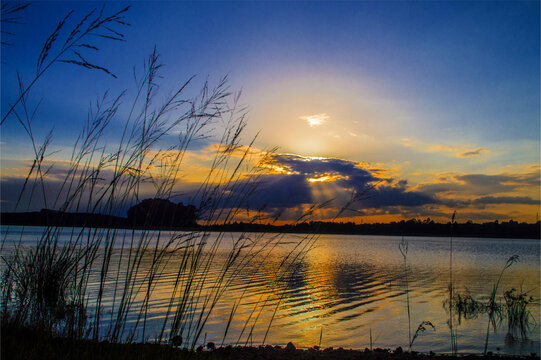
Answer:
x=440 y=188
x=281 y=190
x=354 y=176
x=351 y=176
x=384 y=196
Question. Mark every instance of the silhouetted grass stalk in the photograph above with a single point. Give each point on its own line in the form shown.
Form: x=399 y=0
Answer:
x=454 y=344
x=133 y=261
x=403 y=247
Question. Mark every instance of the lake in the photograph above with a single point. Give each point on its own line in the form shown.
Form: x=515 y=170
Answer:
x=348 y=291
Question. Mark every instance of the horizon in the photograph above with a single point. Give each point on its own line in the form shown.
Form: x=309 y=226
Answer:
x=264 y=222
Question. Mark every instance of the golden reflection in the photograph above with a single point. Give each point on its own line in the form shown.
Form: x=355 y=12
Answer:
x=320 y=277
x=342 y=286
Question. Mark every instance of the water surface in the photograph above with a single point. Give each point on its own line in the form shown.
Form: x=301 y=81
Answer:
x=350 y=288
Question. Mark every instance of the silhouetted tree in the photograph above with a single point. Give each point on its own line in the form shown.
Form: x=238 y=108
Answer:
x=162 y=213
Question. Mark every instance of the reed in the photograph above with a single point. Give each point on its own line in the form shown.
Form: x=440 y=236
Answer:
x=466 y=307
x=421 y=328
x=492 y=304
x=69 y=46
x=403 y=247
x=49 y=285
x=519 y=318
x=452 y=328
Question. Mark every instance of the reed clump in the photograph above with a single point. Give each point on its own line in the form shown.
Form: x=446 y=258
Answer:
x=466 y=307
x=38 y=291
x=519 y=317
x=512 y=306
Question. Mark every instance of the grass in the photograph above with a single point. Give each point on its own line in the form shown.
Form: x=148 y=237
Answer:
x=46 y=286
x=519 y=318
x=466 y=307
x=515 y=309
x=512 y=307
x=422 y=327
x=452 y=328
x=492 y=305
x=403 y=247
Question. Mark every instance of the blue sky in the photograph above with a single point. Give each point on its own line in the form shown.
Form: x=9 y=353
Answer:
x=413 y=87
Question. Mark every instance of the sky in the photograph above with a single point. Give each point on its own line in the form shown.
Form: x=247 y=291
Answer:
x=414 y=109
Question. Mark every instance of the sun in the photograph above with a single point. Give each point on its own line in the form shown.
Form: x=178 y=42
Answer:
x=316 y=119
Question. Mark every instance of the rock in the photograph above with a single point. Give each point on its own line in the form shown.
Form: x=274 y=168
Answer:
x=211 y=346
x=398 y=350
x=199 y=348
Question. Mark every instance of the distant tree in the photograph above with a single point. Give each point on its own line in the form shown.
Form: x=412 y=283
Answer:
x=162 y=213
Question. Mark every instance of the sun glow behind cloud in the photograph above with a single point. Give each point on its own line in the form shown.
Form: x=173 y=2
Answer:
x=326 y=178
x=316 y=119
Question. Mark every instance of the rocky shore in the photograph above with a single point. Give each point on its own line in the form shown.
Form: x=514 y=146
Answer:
x=29 y=344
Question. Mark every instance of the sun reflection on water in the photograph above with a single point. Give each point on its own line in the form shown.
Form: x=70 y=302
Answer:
x=349 y=286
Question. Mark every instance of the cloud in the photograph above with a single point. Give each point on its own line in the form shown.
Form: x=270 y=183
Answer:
x=352 y=174
x=460 y=151
x=299 y=172
x=289 y=184
x=506 y=200
x=499 y=183
x=507 y=184
x=280 y=191
x=315 y=119
x=386 y=196
x=473 y=153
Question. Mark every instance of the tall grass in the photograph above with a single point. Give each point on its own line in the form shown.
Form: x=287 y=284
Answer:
x=403 y=247
x=452 y=327
x=68 y=46
x=99 y=283
x=421 y=328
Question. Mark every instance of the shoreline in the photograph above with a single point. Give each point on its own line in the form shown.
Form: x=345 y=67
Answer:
x=26 y=343
x=413 y=227
x=217 y=228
